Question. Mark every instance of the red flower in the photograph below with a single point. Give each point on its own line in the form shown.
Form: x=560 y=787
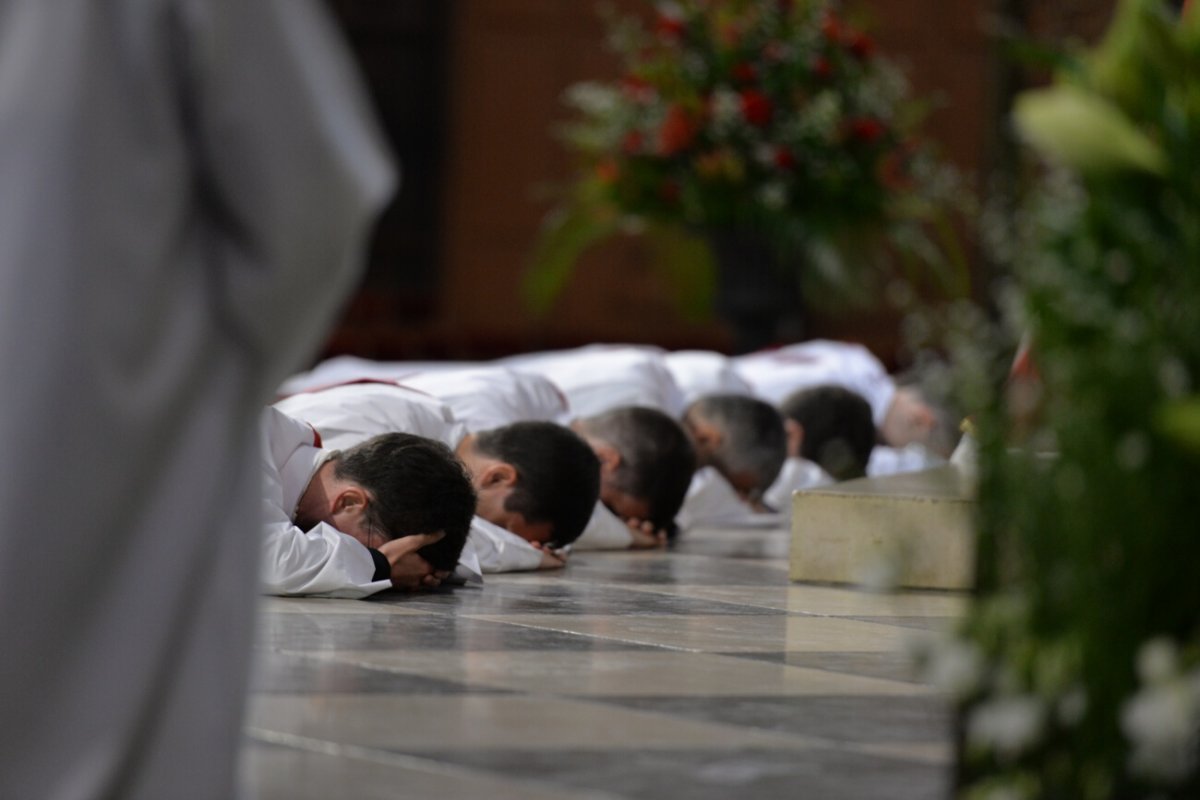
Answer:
x=671 y=27
x=831 y=27
x=677 y=131
x=822 y=68
x=745 y=72
x=633 y=141
x=637 y=89
x=866 y=129
x=861 y=45
x=785 y=158
x=756 y=107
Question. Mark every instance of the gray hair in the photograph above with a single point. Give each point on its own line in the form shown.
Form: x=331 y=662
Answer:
x=753 y=438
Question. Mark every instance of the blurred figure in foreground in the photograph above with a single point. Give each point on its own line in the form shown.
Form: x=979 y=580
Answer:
x=186 y=188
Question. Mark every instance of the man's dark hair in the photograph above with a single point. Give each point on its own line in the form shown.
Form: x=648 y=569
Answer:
x=839 y=432
x=417 y=485
x=657 y=459
x=753 y=439
x=558 y=475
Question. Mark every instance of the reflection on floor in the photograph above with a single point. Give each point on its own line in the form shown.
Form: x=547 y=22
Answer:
x=696 y=673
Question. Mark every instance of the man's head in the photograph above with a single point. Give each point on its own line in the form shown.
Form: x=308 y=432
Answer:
x=837 y=431
x=742 y=437
x=646 y=462
x=398 y=484
x=537 y=479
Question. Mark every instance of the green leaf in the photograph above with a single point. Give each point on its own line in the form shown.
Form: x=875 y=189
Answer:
x=566 y=235
x=1085 y=132
x=688 y=265
x=1180 y=422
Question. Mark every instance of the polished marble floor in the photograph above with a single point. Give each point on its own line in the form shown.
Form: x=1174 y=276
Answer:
x=695 y=673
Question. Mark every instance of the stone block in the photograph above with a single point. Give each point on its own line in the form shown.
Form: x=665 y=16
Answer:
x=913 y=530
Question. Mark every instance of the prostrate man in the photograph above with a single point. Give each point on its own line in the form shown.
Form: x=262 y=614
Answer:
x=497 y=395
x=905 y=422
x=393 y=511
x=835 y=429
x=536 y=481
x=646 y=464
x=740 y=440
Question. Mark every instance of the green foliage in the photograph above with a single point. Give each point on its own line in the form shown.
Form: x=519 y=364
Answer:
x=1089 y=539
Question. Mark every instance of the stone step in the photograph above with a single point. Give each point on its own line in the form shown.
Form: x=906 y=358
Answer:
x=913 y=529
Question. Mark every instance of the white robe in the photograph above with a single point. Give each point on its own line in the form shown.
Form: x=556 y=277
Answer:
x=344 y=369
x=321 y=561
x=599 y=378
x=776 y=374
x=796 y=474
x=352 y=413
x=701 y=372
x=185 y=189
x=492 y=396
x=483 y=398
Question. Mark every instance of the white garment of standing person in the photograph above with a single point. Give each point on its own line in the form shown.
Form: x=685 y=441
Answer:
x=186 y=188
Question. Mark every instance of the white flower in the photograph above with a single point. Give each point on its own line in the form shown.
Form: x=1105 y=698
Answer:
x=1072 y=706
x=726 y=107
x=596 y=99
x=1158 y=660
x=773 y=195
x=1162 y=723
x=1006 y=726
x=1132 y=451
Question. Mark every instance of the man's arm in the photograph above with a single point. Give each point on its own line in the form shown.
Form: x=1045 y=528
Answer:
x=323 y=562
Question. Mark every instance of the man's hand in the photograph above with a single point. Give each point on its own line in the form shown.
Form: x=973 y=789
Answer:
x=645 y=537
x=409 y=570
x=551 y=559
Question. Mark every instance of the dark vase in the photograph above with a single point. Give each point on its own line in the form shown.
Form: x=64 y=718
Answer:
x=758 y=295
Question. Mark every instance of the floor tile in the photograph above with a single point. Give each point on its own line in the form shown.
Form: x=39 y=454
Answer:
x=828 y=600
x=644 y=674
x=857 y=718
x=422 y=723
x=573 y=597
x=726 y=634
x=289 y=773
x=329 y=631
x=653 y=774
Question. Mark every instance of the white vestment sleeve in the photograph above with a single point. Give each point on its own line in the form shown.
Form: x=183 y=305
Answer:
x=604 y=531
x=322 y=562
x=500 y=550
x=710 y=500
x=796 y=474
x=894 y=460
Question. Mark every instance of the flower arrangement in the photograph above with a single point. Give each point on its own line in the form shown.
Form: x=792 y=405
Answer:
x=1078 y=668
x=773 y=117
